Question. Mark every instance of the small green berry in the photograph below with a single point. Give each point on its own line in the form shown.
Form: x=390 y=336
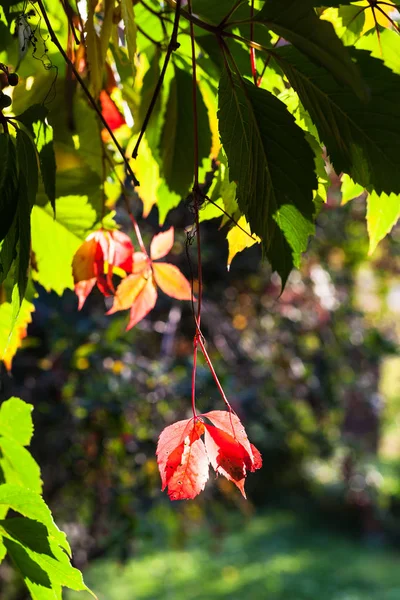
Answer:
x=13 y=79
x=5 y=100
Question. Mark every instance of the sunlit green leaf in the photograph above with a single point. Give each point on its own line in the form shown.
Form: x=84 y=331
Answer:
x=383 y=212
x=273 y=167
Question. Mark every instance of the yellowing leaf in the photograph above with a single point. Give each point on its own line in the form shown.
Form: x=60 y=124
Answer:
x=172 y=281
x=380 y=18
x=11 y=337
x=148 y=173
x=383 y=212
x=238 y=240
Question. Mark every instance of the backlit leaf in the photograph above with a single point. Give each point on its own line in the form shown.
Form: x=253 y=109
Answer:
x=172 y=281
x=161 y=244
x=383 y=212
x=298 y=23
x=361 y=138
x=8 y=183
x=16 y=420
x=177 y=138
x=143 y=304
x=238 y=240
x=273 y=166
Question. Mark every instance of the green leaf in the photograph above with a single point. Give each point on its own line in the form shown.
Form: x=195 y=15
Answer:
x=385 y=48
x=383 y=212
x=215 y=12
x=47 y=158
x=33 y=114
x=349 y=189
x=43 y=565
x=8 y=249
x=30 y=504
x=177 y=137
x=128 y=16
x=297 y=23
x=361 y=138
x=150 y=80
x=27 y=189
x=273 y=167
x=18 y=465
x=55 y=241
x=28 y=164
x=16 y=420
x=8 y=183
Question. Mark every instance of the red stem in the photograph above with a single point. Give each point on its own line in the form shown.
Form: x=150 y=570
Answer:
x=213 y=373
x=252 y=50
x=195 y=342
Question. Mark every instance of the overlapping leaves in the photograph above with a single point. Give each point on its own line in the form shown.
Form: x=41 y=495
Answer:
x=183 y=458
x=274 y=172
x=35 y=545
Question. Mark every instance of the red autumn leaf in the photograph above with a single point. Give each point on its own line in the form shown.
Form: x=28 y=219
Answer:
x=228 y=447
x=231 y=424
x=83 y=289
x=110 y=111
x=225 y=457
x=161 y=244
x=182 y=459
x=101 y=248
x=172 y=281
x=134 y=292
x=190 y=477
x=144 y=303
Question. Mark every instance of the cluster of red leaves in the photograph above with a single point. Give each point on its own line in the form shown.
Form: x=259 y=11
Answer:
x=183 y=457
x=104 y=251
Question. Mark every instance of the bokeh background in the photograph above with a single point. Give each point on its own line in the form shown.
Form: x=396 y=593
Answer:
x=315 y=376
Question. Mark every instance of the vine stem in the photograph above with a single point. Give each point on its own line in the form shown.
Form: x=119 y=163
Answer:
x=89 y=96
x=196 y=197
x=213 y=373
x=252 y=50
x=173 y=45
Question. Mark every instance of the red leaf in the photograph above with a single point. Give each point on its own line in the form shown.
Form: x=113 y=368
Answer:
x=161 y=244
x=110 y=111
x=83 y=289
x=190 y=477
x=228 y=447
x=225 y=458
x=120 y=253
x=172 y=282
x=171 y=439
x=143 y=304
x=231 y=424
x=112 y=247
x=257 y=459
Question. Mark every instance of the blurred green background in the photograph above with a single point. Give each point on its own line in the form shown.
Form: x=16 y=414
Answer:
x=315 y=376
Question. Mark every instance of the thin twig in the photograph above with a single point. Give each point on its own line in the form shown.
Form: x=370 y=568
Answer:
x=89 y=96
x=230 y=218
x=230 y=13
x=252 y=51
x=173 y=45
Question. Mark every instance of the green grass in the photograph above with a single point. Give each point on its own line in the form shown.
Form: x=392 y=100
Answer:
x=272 y=557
